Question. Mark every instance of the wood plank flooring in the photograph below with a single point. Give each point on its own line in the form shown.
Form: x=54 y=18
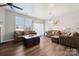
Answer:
x=45 y=48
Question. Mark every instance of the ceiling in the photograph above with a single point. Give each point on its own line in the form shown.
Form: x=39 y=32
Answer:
x=44 y=10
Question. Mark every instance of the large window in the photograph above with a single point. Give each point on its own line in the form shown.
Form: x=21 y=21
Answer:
x=19 y=23
x=23 y=23
x=28 y=24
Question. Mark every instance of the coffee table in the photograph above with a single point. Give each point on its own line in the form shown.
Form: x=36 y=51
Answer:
x=30 y=41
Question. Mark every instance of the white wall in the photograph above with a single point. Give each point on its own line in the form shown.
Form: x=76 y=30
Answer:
x=2 y=12
x=9 y=26
x=2 y=24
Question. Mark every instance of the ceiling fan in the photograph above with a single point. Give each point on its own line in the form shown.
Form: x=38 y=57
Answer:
x=11 y=6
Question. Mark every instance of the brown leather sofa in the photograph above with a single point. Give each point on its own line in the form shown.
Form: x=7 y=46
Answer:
x=72 y=40
x=65 y=38
x=18 y=34
x=54 y=33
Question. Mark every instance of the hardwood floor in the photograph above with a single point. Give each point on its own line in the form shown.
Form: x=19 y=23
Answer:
x=45 y=48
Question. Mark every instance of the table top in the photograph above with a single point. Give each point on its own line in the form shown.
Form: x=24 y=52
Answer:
x=54 y=36
x=28 y=37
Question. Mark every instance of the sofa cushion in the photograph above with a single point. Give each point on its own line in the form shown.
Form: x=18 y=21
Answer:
x=76 y=34
x=29 y=32
x=54 y=33
x=26 y=32
x=19 y=32
x=67 y=34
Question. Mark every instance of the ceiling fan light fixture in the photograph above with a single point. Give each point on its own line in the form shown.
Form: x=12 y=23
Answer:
x=11 y=6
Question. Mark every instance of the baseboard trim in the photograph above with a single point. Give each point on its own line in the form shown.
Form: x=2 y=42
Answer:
x=7 y=42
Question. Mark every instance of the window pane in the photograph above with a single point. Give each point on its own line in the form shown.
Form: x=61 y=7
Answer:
x=23 y=23
x=19 y=23
x=28 y=24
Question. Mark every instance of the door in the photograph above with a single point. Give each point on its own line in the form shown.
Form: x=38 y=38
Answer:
x=39 y=28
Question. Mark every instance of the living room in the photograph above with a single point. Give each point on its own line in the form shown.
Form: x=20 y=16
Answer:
x=52 y=22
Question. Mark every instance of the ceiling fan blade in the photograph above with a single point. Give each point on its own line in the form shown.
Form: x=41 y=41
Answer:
x=11 y=7
x=3 y=5
x=17 y=7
